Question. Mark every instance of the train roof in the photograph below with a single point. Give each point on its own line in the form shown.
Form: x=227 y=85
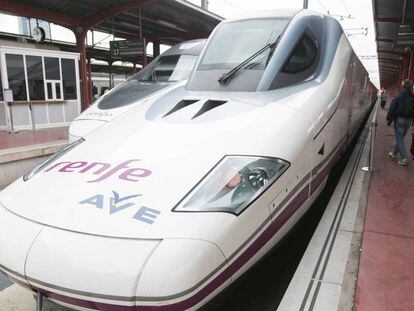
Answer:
x=281 y=13
x=191 y=47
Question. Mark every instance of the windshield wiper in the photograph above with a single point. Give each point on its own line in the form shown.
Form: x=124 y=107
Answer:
x=272 y=49
x=224 y=78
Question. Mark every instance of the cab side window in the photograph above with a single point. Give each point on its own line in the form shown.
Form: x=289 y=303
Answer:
x=302 y=57
x=301 y=63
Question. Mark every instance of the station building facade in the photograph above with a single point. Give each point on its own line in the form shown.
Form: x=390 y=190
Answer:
x=40 y=88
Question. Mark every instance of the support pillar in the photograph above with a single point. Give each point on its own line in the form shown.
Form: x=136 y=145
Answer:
x=80 y=34
x=156 y=48
x=90 y=84
x=401 y=73
x=144 y=54
x=406 y=63
x=410 y=69
x=204 y=4
x=110 y=76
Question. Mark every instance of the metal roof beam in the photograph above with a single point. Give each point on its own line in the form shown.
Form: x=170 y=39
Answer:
x=389 y=70
x=391 y=52
x=390 y=59
x=119 y=33
x=128 y=35
x=385 y=40
x=382 y=67
x=99 y=16
x=33 y=12
x=383 y=64
x=164 y=24
x=404 y=11
x=391 y=20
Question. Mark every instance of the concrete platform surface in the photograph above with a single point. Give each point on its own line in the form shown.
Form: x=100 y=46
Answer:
x=30 y=138
x=17 y=298
x=22 y=151
x=326 y=277
x=386 y=273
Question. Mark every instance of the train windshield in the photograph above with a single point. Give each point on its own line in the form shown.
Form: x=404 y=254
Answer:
x=234 y=42
x=166 y=70
x=171 y=68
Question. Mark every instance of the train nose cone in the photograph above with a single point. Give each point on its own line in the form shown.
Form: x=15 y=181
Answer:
x=16 y=237
x=181 y=273
x=81 y=128
x=85 y=270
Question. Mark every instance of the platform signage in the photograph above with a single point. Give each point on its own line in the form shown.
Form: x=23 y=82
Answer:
x=404 y=36
x=127 y=47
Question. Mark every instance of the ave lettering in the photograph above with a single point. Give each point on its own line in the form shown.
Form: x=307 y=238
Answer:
x=117 y=203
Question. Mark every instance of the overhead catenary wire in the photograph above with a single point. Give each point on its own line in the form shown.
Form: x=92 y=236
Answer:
x=323 y=6
x=345 y=7
x=235 y=6
x=338 y=16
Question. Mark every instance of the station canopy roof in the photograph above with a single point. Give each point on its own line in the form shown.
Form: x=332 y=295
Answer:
x=394 y=26
x=164 y=21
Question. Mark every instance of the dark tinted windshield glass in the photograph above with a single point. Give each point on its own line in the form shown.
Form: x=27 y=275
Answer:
x=128 y=93
x=170 y=68
x=167 y=69
x=236 y=41
x=302 y=57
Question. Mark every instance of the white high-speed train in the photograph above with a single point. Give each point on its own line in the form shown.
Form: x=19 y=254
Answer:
x=166 y=72
x=164 y=207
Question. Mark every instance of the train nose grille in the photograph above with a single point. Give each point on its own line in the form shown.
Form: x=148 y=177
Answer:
x=180 y=105
x=208 y=105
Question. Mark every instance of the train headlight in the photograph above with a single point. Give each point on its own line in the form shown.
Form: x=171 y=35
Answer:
x=233 y=184
x=53 y=158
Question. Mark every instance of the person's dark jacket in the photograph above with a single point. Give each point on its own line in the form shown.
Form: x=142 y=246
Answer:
x=393 y=111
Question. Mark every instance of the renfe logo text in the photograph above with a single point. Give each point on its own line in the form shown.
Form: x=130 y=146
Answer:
x=125 y=170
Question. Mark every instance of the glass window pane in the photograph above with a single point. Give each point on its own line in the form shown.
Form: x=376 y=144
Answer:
x=302 y=57
x=69 y=78
x=170 y=68
x=35 y=80
x=57 y=87
x=49 y=91
x=16 y=77
x=52 y=68
x=234 y=42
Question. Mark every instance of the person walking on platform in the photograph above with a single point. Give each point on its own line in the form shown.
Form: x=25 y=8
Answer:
x=401 y=112
x=383 y=96
x=412 y=143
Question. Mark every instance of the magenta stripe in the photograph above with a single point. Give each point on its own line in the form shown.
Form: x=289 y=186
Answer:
x=325 y=172
x=87 y=303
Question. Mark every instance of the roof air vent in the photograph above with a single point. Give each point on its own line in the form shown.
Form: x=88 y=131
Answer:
x=180 y=105
x=208 y=105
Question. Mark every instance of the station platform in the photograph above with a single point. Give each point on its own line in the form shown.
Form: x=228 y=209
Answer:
x=32 y=138
x=386 y=271
x=361 y=256
x=21 y=151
